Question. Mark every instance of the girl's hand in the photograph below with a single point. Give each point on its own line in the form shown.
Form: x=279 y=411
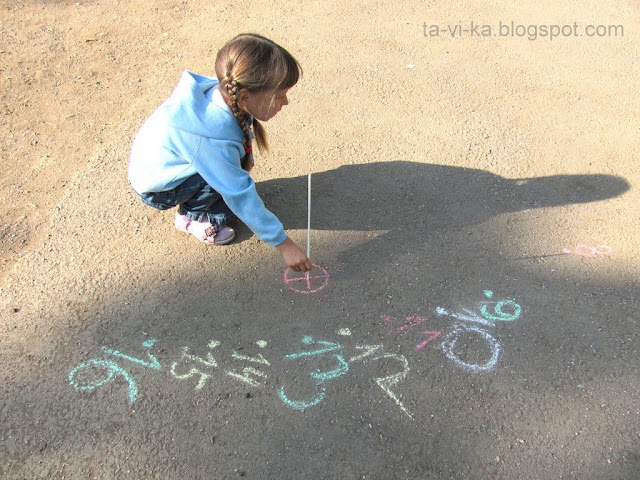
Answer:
x=294 y=257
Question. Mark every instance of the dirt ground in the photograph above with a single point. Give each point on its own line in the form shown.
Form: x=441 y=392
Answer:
x=475 y=215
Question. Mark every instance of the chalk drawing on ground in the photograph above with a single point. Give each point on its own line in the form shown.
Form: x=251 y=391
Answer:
x=201 y=367
x=306 y=283
x=491 y=312
x=583 y=250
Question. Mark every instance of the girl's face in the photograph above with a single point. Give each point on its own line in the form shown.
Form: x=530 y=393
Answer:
x=262 y=105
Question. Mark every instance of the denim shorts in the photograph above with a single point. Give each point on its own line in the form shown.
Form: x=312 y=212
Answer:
x=194 y=198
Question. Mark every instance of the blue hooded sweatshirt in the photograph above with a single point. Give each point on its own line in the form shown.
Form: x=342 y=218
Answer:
x=192 y=132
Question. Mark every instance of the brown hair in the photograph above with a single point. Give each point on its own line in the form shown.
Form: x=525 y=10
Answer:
x=257 y=64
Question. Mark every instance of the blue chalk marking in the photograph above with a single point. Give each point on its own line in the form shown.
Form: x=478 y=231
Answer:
x=112 y=369
x=342 y=368
x=499 y=313
x=320 y=377
x=154 y=363
x=299 y=405
x=307 y=341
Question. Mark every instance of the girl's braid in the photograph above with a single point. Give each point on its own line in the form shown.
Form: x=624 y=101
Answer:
x=232 y=88
x=258 y=64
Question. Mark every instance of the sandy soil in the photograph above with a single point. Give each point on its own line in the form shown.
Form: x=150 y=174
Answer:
x=443 y=166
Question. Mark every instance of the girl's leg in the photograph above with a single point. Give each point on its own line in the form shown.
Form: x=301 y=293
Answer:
x=205 y=205
x=202 y=211
x=196 y=200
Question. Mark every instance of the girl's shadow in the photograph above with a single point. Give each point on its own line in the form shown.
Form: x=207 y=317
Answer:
x=415 y=197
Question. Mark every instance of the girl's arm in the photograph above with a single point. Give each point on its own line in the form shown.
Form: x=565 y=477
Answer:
x=218 y=161
x=293 y=256
x=219 y=164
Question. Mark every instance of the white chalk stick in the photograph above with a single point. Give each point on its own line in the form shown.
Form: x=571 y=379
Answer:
x=308 y=214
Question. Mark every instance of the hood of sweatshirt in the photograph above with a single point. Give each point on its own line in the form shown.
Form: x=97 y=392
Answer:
x=197 y=106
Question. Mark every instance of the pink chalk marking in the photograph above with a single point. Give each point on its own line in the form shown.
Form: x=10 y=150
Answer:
x=432 y=336
x=411 y=322
x=608 y=250
x=313 y=283
x=590 y=251
x=408 y=323
x=585 y=250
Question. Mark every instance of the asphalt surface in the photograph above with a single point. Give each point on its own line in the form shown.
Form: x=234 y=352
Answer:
x=474 y=313
x=440 y=339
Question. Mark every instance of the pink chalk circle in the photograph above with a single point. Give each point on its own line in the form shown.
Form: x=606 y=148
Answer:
x=605 y=250
x=585 y=250
x=305 y=283
x=591 y=251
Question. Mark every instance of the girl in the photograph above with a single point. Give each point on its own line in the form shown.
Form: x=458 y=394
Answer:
x=195 y=150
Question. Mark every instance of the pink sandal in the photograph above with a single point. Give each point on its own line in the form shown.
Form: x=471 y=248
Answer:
x=211 y=234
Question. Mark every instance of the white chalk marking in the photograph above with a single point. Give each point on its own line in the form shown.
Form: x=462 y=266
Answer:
x=251 y=359
x=209 y=362
x=194 y=371
x=245 y=378
x=369 y=350
x=449 y=345
x=308 y=215
x=308 y=220
x=385 y=383
x=468 y=316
